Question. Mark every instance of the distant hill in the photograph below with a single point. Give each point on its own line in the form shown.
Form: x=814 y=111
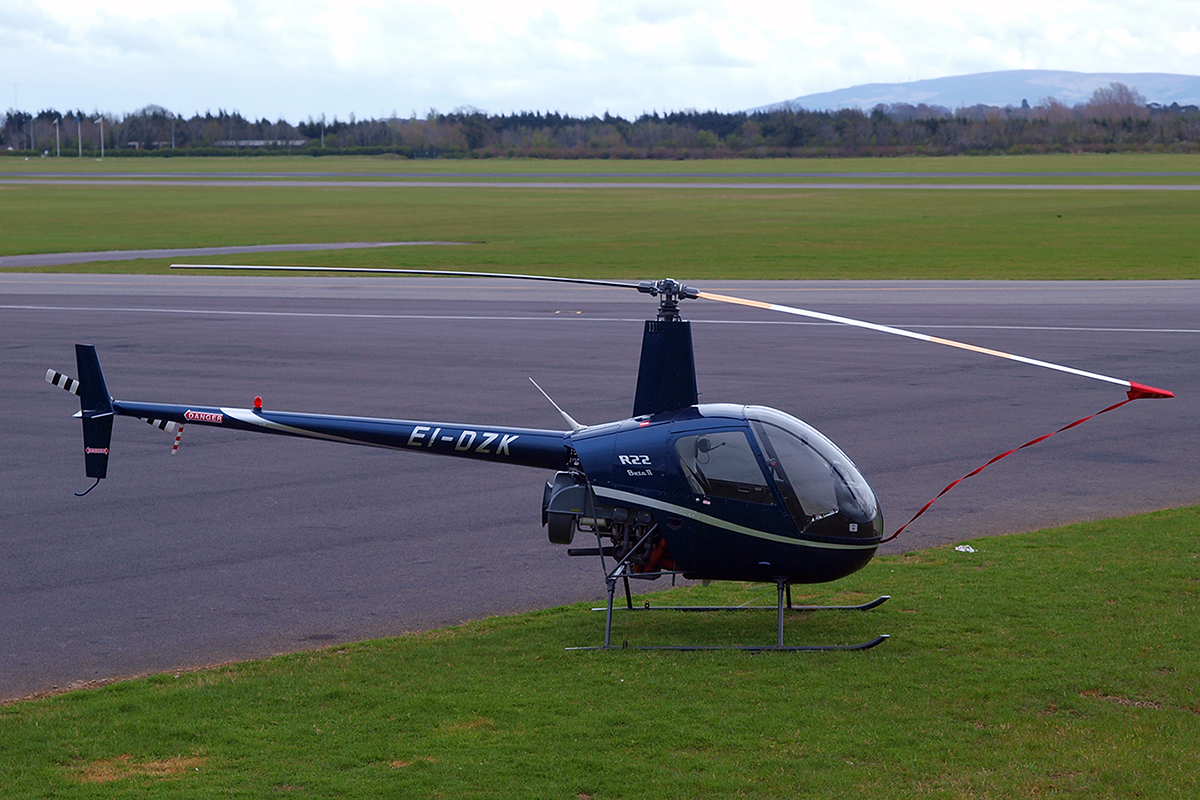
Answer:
x=1001 y=89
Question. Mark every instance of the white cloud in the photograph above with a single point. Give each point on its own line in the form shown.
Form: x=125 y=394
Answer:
x=309 y=57
x=1188 y=42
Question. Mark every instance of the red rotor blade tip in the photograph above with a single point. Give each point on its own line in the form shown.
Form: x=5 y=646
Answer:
x=1139 y=390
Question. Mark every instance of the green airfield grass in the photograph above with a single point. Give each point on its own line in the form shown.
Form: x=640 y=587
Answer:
x=368 y=165
x=699 y=234
x=1057 y=663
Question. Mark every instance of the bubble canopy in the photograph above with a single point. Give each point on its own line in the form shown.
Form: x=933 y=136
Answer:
x=816 y=479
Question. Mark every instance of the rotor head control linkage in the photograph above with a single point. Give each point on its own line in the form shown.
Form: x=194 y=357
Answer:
x=670 y=292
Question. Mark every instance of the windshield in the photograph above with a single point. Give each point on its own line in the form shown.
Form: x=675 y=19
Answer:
x=815 y=478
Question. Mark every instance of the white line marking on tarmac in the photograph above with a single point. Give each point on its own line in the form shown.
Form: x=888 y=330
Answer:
x=561 y=317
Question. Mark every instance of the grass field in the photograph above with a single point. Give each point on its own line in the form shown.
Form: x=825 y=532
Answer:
x=1059 y=663
x=1130 y=163
x=693 y=234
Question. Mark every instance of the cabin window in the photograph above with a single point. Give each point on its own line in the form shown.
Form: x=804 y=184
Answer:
x=722 y=464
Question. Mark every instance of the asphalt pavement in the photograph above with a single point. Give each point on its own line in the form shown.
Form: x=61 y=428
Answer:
x=242 y=545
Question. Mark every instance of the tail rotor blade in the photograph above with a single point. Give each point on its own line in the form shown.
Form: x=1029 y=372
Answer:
x=62 y=381
x=1134 y=389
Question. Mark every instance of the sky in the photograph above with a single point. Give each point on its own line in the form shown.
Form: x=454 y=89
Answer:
x=299 y=59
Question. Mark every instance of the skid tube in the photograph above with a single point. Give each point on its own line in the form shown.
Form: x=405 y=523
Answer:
x=784 y=590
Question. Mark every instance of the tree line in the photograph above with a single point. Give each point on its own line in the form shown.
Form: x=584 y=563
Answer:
x=1115 y=118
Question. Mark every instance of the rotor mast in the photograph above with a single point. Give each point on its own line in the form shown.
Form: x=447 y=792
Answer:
x=667 y=371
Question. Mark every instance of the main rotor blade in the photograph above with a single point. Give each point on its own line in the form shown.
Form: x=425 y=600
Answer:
x=385 y=270
x=1136 y=390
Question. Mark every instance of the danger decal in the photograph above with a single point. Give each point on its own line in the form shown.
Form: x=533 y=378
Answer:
x=203 y=416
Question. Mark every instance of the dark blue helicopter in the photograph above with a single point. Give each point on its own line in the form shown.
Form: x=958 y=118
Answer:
x=706 y=491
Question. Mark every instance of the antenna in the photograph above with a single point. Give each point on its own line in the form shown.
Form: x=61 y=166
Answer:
x=575 y=426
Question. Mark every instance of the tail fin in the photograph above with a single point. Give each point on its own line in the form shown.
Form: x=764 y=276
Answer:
x=96 y=408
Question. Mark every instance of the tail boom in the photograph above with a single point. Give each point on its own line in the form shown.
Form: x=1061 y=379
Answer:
x=528 y=447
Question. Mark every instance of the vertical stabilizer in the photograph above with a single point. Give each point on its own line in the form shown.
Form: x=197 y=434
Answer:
x=95 y=405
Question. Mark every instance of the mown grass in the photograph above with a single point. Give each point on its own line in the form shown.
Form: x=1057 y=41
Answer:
x=1058 y=663
x=692 y=234
x=1074 y=163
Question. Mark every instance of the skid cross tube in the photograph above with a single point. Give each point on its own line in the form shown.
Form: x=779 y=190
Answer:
x=611 y=580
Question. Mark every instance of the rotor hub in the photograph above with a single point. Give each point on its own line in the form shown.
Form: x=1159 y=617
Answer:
x=669 y=292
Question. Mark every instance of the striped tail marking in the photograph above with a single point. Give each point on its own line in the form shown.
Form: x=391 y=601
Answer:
x=62 y=381
x=71 y=385
x=162 y=424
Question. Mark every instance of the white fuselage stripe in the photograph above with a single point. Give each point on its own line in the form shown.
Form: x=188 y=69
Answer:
x=716 y=522
x=250 y=418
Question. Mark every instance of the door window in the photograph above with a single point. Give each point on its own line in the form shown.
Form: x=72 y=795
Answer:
x=721 y=464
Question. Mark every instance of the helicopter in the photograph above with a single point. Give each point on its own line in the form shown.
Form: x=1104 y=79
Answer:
x=714 y=491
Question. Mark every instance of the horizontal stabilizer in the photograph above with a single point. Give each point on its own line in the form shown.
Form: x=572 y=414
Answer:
x=161 y=424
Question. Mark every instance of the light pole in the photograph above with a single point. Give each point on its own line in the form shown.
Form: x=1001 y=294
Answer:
x=79 y=135
x=100 y=119
x=57 y=147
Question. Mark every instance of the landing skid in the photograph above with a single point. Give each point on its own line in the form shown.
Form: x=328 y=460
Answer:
x=749 y=648
x=783 y=602
x=876 y=603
